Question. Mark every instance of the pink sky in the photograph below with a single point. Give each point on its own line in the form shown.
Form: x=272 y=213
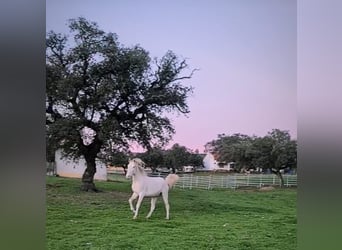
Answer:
x=245 y=50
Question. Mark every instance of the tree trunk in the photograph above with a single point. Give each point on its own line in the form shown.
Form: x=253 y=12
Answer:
x=90 y=152
x=280 y=176
x=88 y=175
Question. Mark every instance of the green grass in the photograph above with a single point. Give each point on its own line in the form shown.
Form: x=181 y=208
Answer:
x=199 y=219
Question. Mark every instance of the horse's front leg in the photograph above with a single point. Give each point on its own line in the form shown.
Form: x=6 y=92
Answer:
x=130 y=200
x=141 y=197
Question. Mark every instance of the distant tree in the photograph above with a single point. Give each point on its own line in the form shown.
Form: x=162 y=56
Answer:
x=195 y=159
x=275 y=151
x=174 y=158
x=116 y=158
x=177 y=157
x=243 y=154
x=233 y=148
x=117 y=94
x=154 y=158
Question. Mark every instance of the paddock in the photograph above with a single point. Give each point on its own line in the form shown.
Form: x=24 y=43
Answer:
x=200 y=219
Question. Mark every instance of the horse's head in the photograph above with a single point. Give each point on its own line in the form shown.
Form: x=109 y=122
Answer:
x=134 y=165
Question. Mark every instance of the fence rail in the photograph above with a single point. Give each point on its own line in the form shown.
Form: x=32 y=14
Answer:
x=233 y=181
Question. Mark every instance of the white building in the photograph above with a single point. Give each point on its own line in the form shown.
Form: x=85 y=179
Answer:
x=210 y=162
x=69 y=168
x=188 y=169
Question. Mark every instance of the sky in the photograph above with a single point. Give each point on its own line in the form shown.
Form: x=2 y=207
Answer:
x=245 y=51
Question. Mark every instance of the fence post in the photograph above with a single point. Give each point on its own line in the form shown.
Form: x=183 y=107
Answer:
x=209 y=182
x=191 y=181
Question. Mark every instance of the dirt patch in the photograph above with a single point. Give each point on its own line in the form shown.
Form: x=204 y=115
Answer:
x=268 y=188
x=247 y=189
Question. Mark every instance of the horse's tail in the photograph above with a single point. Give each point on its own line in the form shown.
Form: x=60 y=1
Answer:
x=171 y=179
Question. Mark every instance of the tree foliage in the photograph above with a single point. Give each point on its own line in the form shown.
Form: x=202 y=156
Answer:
x=275 y=152
x=235 y=148
x=154 y=158
x=120 y=93
x=175 y=158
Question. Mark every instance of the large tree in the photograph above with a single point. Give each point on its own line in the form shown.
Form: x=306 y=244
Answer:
x=103 y=95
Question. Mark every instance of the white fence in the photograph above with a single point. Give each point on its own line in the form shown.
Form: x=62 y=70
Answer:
x=189 y=181
x=233 y=181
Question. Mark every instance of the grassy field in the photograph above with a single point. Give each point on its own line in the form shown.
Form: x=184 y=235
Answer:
x=199 y=219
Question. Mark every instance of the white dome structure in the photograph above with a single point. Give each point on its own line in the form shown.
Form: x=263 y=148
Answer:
x=210 y=162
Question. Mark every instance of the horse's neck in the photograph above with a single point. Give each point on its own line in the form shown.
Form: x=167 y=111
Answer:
x=138 y=177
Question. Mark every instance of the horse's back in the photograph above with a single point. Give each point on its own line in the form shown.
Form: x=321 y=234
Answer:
x=153 y=186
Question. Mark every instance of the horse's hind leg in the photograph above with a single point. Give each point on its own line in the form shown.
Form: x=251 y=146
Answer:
x=166 y=202
x=153 y=205
x=130 y=200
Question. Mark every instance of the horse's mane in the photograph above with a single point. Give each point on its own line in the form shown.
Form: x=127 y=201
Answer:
x=140 y=165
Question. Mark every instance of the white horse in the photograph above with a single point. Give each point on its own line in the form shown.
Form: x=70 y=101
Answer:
x=142 y=186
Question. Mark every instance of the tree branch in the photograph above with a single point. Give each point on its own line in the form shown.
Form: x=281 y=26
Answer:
x=186 y=77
